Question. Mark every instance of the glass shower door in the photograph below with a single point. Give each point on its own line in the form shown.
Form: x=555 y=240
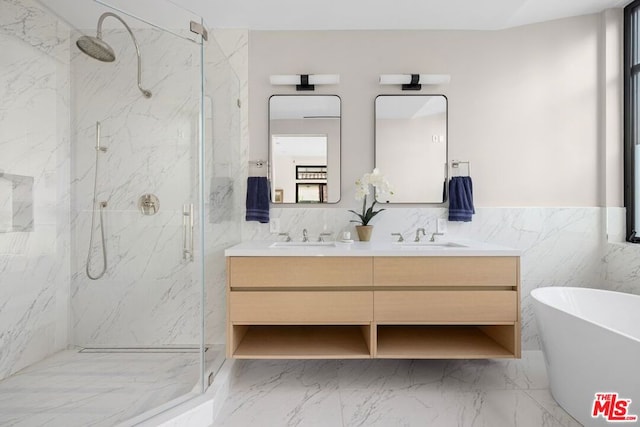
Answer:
x=146 y=176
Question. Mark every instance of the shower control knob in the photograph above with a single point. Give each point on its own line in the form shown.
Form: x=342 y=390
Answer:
x=149 y=204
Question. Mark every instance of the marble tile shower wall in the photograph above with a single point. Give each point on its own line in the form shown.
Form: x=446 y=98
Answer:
x=149 y=296
x=34 y=142
x=561 y=246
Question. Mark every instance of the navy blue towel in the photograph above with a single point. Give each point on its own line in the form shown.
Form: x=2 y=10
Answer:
x=258 y=199
x=461 y=199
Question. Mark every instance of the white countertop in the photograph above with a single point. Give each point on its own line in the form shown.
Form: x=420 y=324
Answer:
x=467 y=248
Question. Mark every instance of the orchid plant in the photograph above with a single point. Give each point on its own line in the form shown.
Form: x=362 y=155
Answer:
x=381 y=188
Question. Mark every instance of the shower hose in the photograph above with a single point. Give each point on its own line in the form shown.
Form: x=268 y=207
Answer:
x=102 y=206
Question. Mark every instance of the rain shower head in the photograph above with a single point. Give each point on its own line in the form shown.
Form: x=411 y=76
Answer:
x=98 y=49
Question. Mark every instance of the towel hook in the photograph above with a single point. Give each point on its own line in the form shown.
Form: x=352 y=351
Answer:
x=257 y=163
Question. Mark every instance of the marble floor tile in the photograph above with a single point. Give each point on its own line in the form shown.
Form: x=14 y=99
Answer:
x=421 y=406
x=268 y=374
x=74 y=388
x=285 y=405
x=528 y=373
x=465 y=375
x=484 y=393
x=544 y=399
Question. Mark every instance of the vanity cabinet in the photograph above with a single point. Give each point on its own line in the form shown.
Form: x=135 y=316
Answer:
x=373 y=306
x=300 y=307
x=446 y=307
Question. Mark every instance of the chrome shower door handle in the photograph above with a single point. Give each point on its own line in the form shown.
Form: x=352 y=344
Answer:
x=191 y=232
x=185 y=219
x=187 y=232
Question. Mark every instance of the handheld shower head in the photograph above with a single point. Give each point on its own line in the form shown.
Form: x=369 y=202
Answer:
x=98 y=49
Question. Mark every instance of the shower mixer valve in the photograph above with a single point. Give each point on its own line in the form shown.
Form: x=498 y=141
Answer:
x=149 y=204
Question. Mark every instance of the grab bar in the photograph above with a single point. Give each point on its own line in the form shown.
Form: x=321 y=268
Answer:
x=187 y=232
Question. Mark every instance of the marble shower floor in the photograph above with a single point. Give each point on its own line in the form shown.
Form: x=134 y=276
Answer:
x=96 y=389
x=389 y=393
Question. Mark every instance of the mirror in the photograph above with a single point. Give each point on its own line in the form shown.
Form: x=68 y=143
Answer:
x=411 y=146
x=304 y=148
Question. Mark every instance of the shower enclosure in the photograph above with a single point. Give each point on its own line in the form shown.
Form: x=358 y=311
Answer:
x=151 y=293
x=146 y=162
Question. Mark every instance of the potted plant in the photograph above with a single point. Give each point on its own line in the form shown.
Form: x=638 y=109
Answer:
x=381 y=187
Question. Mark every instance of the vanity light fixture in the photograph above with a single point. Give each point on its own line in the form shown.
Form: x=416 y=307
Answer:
x=414 y=81
x=305 y=81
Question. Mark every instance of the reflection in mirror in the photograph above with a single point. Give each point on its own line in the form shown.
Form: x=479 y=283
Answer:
x=411 y=146
x=304 y=148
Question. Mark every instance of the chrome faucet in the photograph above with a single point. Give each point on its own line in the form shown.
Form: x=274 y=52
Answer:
x=288 y=238
x=433 y=236
x=400 y=238
x=322 y=236
x=438 y=233
x=305 y=235
x=417 y=239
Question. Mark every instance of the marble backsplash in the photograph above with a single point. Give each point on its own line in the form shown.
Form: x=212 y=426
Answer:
x=621 y=267
x=560 y=246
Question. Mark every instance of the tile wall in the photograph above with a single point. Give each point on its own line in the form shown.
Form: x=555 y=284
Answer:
x=34 y=143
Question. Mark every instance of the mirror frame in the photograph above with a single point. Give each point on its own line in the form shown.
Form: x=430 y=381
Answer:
x=270 y=153
x=447 y=171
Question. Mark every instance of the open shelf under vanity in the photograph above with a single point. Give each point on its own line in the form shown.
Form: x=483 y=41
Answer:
x=302 y=341
x=444 y=341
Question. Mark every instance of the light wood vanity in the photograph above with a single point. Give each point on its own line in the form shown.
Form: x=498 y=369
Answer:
x=372 y=302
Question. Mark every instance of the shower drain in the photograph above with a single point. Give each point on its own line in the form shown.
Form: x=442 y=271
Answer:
x=142 y=350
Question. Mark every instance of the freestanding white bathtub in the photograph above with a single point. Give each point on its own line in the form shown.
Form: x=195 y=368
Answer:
x=591 y=343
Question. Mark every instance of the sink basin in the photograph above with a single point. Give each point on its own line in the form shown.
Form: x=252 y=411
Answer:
x=430 y=245
x=281 y=245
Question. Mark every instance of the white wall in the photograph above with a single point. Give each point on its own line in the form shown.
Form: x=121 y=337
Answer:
x=611 y=63
x=523 y=102
x=34 y=141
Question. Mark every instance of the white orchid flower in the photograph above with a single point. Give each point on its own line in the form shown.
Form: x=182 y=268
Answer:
x=382 y=188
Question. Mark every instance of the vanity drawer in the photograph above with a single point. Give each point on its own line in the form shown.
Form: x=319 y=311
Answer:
x=445 y=271
x=275 y=272
x=301 y=307
x=445 y=306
